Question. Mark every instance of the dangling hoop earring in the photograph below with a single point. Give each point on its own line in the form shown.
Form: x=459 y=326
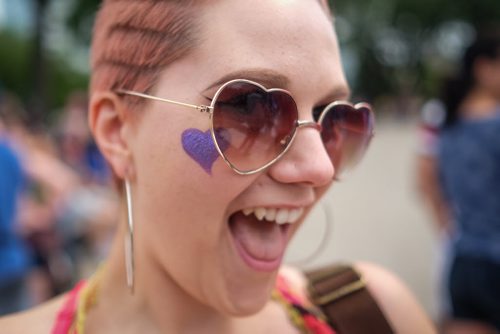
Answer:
x=323 y=242
x=129 y=240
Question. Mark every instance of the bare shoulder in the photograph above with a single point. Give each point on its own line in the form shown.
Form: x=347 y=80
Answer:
x=37 y=320
x=391 y=294
x=294 y=275
x=296 y=278
x=395 y=299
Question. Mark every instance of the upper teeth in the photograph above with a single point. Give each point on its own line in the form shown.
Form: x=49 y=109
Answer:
x=280 y=216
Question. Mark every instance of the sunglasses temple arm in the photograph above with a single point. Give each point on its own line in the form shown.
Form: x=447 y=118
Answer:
x=201 y=108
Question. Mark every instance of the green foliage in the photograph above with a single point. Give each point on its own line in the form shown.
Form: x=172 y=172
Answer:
x=393 y=44
x=63 y=81
x=14 y=63
x=16 y=72
x=401 y=45
x=81 y=19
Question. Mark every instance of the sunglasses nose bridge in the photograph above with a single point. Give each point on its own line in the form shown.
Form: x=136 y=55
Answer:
x=311 y=124
x=306 y=158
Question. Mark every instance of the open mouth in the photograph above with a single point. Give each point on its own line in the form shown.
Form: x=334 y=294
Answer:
x=261 y=234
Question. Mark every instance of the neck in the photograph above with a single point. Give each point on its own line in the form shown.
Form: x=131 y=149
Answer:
x=479 y=103
x=158 y=304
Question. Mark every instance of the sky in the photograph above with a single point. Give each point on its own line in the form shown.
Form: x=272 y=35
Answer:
x=16 y=15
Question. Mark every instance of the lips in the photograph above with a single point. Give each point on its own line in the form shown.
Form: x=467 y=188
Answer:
x=261 y=243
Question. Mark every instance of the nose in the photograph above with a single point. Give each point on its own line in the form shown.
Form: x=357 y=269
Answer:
x=306 y=161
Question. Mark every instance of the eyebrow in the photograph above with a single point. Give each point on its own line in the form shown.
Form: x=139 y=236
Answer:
x=339 y=92
x=266 y=77
x=272 y=79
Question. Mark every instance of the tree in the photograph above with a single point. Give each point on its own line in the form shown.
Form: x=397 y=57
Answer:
x=391 y=47
x=37 y=106
x=408 y=46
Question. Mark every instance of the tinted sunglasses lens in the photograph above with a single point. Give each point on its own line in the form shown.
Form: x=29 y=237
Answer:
x=253 y=126
x=346 y=134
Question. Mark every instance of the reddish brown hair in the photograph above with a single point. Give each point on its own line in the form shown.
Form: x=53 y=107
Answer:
x=135 y=40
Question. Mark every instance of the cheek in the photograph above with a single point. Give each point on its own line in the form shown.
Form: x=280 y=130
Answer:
x=181 y=177
x=320 y=192
x=201 y=148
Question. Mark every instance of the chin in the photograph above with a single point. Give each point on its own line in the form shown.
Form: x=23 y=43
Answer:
x=247 y=301
x=247 y=306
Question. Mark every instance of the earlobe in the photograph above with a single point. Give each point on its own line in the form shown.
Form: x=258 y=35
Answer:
x=107 y=123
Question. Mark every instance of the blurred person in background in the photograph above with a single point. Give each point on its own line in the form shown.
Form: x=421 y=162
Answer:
x=58 y=210
x=76 y=146
x=87 y=216
x=68 y=214
x=46 y=181
x=15 y=261
x=462 y=185
x=433 y=113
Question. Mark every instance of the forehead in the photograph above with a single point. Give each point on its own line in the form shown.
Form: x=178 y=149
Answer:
x=293 y=38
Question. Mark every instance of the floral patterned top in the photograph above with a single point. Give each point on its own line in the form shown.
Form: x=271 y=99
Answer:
x=302 y=314
x=66 y=315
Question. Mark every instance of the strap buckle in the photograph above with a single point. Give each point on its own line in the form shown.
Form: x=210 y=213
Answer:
x=332 y=296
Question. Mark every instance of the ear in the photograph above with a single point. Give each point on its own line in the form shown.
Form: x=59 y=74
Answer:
x=107 y=121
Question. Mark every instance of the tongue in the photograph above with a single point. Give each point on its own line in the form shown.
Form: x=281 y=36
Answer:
x=262 y=240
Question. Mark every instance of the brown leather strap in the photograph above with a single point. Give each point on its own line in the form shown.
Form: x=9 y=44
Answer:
x=341 y=293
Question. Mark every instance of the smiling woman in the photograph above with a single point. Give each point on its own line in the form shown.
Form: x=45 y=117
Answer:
x=212 y=199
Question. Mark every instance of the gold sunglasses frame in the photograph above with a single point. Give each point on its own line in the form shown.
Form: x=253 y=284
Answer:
x=210 y=110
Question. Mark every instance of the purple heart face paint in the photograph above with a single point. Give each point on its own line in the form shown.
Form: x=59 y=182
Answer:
x=201 y=148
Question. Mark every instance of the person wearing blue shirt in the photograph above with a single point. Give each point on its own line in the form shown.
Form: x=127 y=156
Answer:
x=469 y=173
x=14 y=257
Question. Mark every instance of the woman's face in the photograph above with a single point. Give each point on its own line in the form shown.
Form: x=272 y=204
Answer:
x=191 y=221
x=489 y=77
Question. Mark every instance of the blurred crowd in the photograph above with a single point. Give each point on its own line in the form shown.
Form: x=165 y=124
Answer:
x=57 y=206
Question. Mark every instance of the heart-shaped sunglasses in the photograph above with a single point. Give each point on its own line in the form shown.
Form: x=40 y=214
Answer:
x=253 y=127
